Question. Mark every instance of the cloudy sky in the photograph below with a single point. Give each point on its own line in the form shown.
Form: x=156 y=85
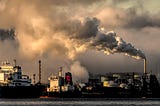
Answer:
x=64 y=33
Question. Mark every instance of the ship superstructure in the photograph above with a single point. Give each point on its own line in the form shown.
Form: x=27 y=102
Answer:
x=12 y=76
x=61 y=86
x=13 y=84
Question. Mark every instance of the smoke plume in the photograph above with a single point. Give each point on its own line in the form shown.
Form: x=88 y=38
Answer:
x=79 y=72
x=110 y=43
x=55 y=31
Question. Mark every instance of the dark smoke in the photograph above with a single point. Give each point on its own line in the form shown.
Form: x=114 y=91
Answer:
x=7 y=34
x=108 y=42
x=138 y=21
x=89 y=28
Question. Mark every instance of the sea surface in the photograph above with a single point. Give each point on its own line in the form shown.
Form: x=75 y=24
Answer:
x=80 y=102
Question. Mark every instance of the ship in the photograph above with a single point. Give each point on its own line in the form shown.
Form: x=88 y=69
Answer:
x=13 y=84
x=60 y=86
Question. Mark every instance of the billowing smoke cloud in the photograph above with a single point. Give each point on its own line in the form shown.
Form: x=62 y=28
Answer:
x=79 y=72
x=110 y=43
x=55 y=31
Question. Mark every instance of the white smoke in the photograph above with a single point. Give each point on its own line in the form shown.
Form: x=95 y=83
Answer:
x=79 y=72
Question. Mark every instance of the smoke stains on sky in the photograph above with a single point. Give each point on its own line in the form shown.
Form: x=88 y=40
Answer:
x=65 y=33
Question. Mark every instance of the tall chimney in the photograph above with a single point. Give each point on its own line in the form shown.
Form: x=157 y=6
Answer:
x=40 y=71
x=34 y=78
x=145 y=66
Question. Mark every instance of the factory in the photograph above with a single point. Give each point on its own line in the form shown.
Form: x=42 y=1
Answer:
x=116 y=85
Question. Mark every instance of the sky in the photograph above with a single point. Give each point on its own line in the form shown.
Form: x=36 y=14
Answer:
x=82 y=36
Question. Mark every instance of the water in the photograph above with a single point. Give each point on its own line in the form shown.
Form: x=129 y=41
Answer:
x=79 y=102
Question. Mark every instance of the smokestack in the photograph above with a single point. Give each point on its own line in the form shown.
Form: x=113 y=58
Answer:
x=145 y=66
x=34 y=78
x=40 y=71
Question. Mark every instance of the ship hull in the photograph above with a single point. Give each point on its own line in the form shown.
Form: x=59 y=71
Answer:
x=21 y=91
x=107 y=92
x=75 y=94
